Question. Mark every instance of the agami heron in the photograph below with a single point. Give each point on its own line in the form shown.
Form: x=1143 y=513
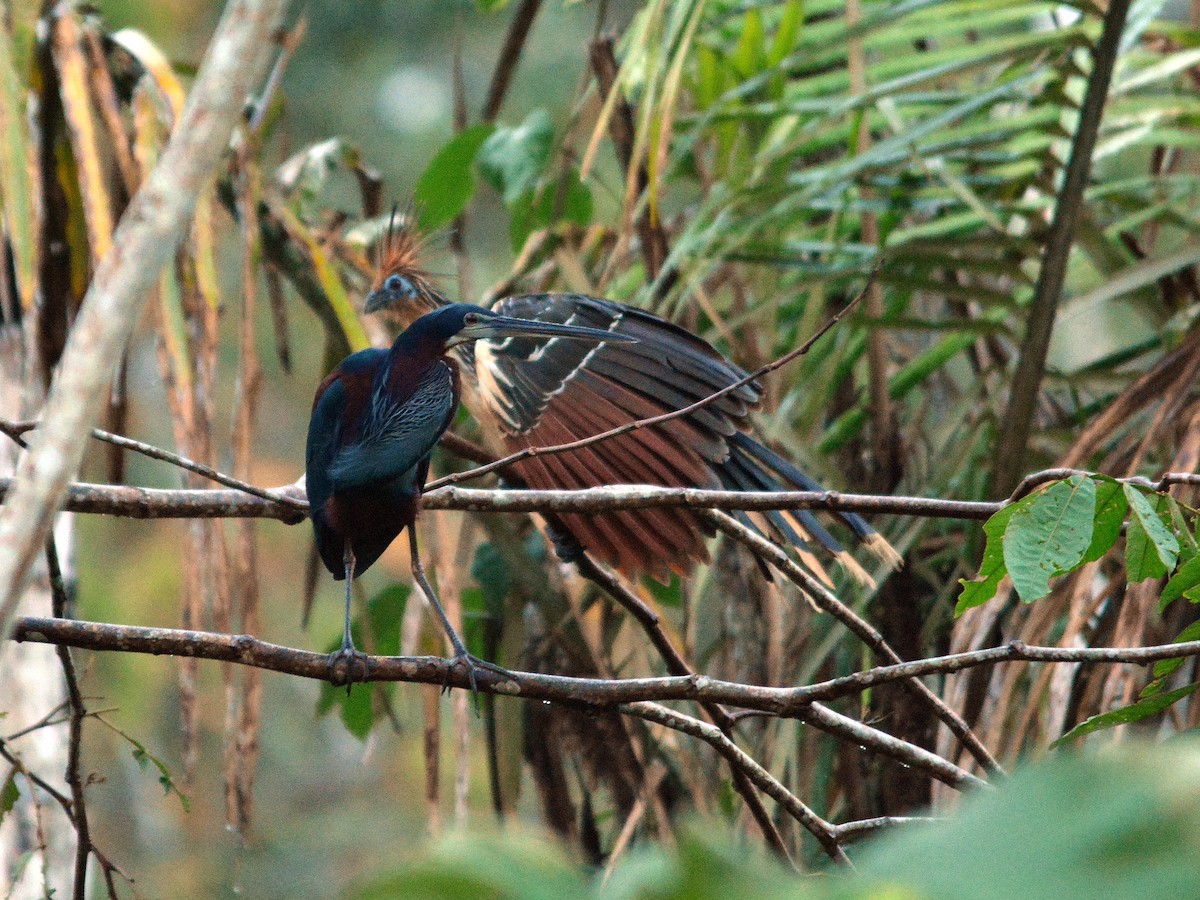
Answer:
x=526 y=392
x=375 y=419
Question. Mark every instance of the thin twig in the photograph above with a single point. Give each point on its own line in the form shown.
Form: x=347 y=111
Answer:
x=79 y=818
x=852 y=831
x=175 y=459
x=866 y=632
x=823 y=831
x=677 y=665
x=16 y=762
x=659 y=419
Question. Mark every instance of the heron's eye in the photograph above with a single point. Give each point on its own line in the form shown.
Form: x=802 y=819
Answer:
x=397 y=284
x=471 y=319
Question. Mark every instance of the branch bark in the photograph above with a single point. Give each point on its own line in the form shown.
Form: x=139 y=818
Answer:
x=145 y=239
x=1031 y=365
x=795 y=702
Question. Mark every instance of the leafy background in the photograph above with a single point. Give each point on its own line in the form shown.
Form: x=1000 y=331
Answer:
x=784 y=151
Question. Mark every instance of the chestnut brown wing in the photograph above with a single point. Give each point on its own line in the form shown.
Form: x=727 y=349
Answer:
x=544 y=392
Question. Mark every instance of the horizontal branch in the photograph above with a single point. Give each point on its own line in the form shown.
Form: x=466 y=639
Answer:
x=288 y=502
x=780 y=701
x=157 y=503
x=589 y=692
x=165 y=503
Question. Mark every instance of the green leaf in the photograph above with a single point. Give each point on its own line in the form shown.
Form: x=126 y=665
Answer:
x=750 y=54
x=448 y=182
x=669 y=594
x=1150 y=547
x=1118 y=824
x=490 y=570
x=983 y=588
x=385 y=611
x=1050 y=535
x=512 y=159
x=1165 y=667
x=1111 y=507
x=1128 y=714
x=1185 y=580
x=787 y=34
x=144 y=758
x=503 y=865
x=532 y=212
x=9 y=793
x=356 y=707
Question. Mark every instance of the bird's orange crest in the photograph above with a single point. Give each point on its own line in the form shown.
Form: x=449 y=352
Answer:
x=400 y=254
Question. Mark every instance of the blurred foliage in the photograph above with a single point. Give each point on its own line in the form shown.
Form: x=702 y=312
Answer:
x=1117 y=824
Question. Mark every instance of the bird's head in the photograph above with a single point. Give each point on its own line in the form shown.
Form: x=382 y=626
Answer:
x=401 y=287
x=459 y=323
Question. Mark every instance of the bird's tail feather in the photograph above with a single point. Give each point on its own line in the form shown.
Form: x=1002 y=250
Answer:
x=752 y=466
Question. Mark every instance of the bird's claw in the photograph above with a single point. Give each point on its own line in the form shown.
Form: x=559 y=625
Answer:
x=472 y=663
x=345 y=664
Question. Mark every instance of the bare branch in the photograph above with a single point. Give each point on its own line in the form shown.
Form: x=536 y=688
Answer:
x=858 y=626
x=1027 y=380
x=510 y=55
x=144 y=241
x=824 y=832
x=288 y=505
x=18 y=429
x=796 y=702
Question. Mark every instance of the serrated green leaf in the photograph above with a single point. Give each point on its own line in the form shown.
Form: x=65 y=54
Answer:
x=1150 y=548
x=1111 y=507
x=1050 y=535
x=1127 y=714
x=144 y=758
x=512 y=159
x=991 y=570
x=448 y=182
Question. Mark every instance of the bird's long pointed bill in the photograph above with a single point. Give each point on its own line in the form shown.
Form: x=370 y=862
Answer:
x=500 y=327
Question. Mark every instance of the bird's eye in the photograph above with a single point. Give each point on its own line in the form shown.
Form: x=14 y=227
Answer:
x=471 y=319
x=397 y=284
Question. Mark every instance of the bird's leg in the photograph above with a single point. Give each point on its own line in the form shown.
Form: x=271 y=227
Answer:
x=348 y=654
x=460 y=650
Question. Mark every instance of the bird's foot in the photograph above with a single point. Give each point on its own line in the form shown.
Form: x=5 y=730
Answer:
x=348 y=665
x=472 y=664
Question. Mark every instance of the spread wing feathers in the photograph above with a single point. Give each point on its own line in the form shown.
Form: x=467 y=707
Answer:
x=394 y=434
x=557 y=391
x=666 y=362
